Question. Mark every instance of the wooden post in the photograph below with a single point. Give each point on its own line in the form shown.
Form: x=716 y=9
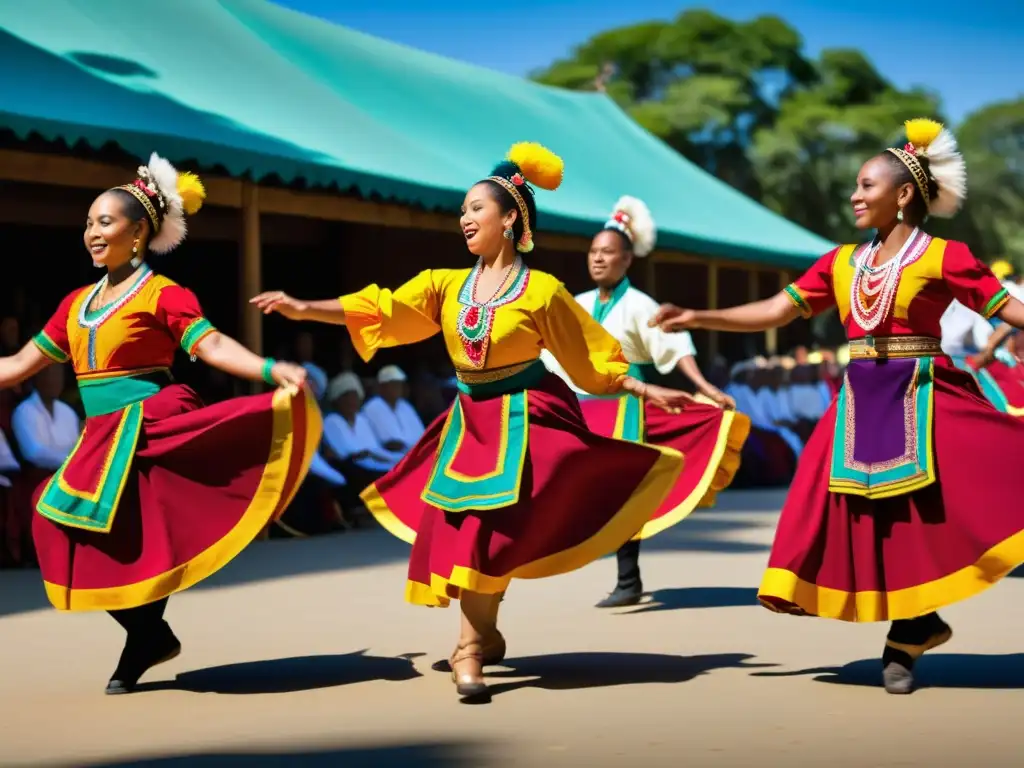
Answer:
x=712 y=304
x=252 y=321
x=651 y=277
x=771 y=336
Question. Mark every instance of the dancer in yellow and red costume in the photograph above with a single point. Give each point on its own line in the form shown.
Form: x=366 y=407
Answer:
x=509 y=483
x=887 y=518
x=160 y=491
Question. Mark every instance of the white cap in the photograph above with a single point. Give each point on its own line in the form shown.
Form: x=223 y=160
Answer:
x=342 y=383
x=390 y=373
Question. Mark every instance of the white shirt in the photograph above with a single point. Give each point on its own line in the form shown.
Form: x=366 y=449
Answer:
x=7 y=461
x=805 y=401
x=957 y=324
x=627 y=322
x=401 y=423
x=45 y=439
x=320 y=468
x=349 y=439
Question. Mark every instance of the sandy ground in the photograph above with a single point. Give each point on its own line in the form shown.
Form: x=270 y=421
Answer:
x=303 y=653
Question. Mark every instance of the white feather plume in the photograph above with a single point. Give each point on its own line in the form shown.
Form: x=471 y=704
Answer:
x=173 y=229
x=637 y=224
x=950 y=173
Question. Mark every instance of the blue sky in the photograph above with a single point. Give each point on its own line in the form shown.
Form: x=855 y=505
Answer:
x=971 y=53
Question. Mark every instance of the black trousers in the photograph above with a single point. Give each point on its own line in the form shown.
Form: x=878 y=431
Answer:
x=141 y=622
x=628 y=558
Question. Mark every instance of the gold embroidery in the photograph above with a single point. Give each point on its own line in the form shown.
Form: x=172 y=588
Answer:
x=871 y=347
x=909 y=432
x=474 y=378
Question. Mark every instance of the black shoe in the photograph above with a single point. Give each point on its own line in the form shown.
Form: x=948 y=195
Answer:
x=139 y=656
x=623 y=597
x=907 y=642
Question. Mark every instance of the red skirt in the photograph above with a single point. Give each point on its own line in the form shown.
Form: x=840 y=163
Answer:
x=709 y=438
x=540 y=493
x=204 y=482
x=1003 y=385
x=846 y=557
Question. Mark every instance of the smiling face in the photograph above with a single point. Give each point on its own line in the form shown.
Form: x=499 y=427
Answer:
x=110 y=234
x=878 y=197
x=483 y=221
x=608 y=258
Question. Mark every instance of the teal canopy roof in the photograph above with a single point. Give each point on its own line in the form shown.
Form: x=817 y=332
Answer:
x=262 y=90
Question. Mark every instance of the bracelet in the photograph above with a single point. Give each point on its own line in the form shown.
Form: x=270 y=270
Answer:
x=268 y=366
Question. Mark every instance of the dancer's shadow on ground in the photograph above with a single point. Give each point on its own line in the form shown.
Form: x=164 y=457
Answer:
x=683 y=598
x=300 y=673
x=441 y=755
x=939 y=670
x=575 y=671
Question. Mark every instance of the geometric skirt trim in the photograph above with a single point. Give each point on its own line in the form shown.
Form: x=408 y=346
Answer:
x=710 y=438
x=288 y=423
x=580 y=496
x=846 y=557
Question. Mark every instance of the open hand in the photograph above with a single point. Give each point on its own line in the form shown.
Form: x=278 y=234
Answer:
x=288 y=375
x=672 y=319
x=670 y=400
x=723 y=400
x=280 y=302
x=980 y=360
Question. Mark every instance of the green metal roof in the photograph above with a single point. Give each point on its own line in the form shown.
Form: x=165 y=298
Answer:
x=262 y=90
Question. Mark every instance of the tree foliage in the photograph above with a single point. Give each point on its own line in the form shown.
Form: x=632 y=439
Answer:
x=744 y=101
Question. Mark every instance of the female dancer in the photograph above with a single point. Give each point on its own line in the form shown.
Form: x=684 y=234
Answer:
x=510 y=483
x=886 y=519
x=160 y=491
x=710 y=437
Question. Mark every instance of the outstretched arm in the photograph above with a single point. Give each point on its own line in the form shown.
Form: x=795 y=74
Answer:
x=688 y=365
x=757 y=316
x=24 y=364
x=327 y=311
x=226 y=354
x=1012 y=315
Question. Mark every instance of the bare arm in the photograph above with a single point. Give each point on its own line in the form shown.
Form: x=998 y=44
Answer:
x=24 y=364
x=327 y=311
x=756 y=316
x=1012 y=315
x=226 y=354
x=688 y=365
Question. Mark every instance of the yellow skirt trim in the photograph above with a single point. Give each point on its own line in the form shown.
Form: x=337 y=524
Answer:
x=719 y=473
x=267 y=501
x=909 y=603
x=651 y=491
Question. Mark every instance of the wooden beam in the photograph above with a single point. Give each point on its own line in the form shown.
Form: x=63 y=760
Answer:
x=651 y=276
x=252 y=321
x=712 y=304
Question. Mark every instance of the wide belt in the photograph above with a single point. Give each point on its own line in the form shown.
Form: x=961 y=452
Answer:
x=881 y=347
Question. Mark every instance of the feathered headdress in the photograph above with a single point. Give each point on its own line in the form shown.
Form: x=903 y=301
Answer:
x=927 y=138
x=168 y=196
x=632 y=218
x=527 y=163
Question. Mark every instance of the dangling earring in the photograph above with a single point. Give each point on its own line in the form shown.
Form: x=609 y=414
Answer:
x=899 y=216
x=136 y=261
x=508 y=233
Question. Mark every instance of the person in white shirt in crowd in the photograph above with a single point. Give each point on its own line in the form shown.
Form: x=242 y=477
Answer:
x=394 y=421
x=352 y=445
x=304 y=357
x=46 y=428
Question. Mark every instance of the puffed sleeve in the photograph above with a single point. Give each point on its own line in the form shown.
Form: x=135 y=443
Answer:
x=378 y=318
x=812 y=293
x=588 y=353
x=52 y=341
x=972 y=282
x=178 y=309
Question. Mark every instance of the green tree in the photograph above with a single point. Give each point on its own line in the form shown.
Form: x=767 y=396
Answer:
x=702 y=83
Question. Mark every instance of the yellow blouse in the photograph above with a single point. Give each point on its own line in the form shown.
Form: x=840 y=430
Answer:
x=543 y=315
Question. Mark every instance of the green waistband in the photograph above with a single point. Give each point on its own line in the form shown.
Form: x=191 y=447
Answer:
x=524 y=379
x=103 y=396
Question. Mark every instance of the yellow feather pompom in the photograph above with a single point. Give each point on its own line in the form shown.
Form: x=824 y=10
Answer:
x=921 y=132
x=192 y=192
x=541 y=167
